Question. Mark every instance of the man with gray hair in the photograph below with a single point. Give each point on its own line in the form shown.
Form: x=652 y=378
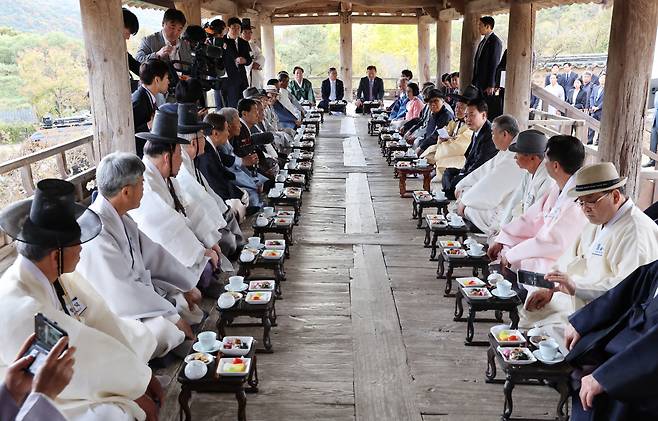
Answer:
x=136 y=276
x=483 y=194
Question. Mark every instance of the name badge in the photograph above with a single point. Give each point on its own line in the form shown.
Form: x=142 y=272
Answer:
x=598 y=250
x=76 y=307
x=553 y=213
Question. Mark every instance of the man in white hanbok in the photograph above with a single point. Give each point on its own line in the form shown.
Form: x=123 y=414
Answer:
x=111 y=379
x=163 y=215
x=255 y=69
x=529 y=153
x=483 y=194
x=619 y=239
x=137 y=277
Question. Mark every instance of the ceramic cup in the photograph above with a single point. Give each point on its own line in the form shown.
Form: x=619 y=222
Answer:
x=504 y=286
x=235 y=281
x=477 y=248
x=278 y=186
x=548 y=349
x=207 y=339
x=268 y=211
x=494 y=278
x=283 y=172
x=292 y=162
x=253 y=242
x=280 y=178
x=194 y=370
x=422 y=162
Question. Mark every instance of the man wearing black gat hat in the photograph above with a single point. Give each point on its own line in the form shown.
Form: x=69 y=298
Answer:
x=49 y=230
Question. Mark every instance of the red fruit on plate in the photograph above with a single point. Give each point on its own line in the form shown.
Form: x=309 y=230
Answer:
x=513 y=338
x=237 y=361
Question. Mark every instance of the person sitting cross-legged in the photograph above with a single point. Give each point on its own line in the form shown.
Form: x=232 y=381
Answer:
x=480 y=150
x=332 y=89
x=612 y=344
x=111 y=379
x=483 y=194
x=599 y=258
x=137 y=277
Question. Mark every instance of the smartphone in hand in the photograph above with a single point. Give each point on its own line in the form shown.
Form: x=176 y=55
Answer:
x=48 y=333
x=534 y=279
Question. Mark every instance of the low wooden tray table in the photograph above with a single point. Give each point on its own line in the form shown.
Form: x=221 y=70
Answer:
x=498 y=305
x=265 y=312
x=434 y=231
x=557 y=376
x=404 y=172
x=417 y=207
x=213 y=383
x=275 y=265
x=291 y=202
x=338 y=107
x=478 y=264
x=375 y=126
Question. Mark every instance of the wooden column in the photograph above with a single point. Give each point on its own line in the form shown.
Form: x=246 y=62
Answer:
x=443 y=35
x=423 y=49
x=109 y=86
x=346 y=54
x=630 y=57
x=191 y=9
x=255 y=22
x=267 y=45
x=519 y=61
x=470 y=40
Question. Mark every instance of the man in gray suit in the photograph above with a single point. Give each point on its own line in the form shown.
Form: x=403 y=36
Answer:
x=166 y=44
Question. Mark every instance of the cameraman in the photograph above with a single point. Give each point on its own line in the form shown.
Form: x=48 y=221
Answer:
x=166 y=44
x=237 y=55
x=216 y=31
x=27 y=398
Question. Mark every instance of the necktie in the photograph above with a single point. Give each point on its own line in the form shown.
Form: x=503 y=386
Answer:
x=177 y=204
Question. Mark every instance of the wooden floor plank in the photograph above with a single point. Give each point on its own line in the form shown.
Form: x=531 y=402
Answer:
x=359 y=213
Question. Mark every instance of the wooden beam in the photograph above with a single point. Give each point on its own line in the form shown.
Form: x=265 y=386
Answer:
x=191 y=9
x=630 y=57
x=470 y=40
x=393 y=20
x=519 y=61
x=443 y=53
x=227 y=8
x=267 y=37
x=345 y=51
x=423 y=51
x=305 y=20
x=487 y=6
x=109 y=87
x=449 y=14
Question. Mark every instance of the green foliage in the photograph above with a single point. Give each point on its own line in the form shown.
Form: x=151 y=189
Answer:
x=15 y=132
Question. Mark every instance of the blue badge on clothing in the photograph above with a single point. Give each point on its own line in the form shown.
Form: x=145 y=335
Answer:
x=598 y=250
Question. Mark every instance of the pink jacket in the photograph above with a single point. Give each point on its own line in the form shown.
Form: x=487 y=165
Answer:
x=414 y=107
x=535 y=240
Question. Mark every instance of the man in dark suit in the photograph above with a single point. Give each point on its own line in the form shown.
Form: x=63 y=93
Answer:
x=371 y=88
x=487 y=56
x=154 y=76
x=480 y=150
x=131 y=27
x=332 y=89
x=613 y=342
x=567 y=78
x=555 y=70
x=596 y=105
x=237 y=55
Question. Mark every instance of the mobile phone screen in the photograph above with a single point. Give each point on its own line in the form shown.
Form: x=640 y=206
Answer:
x=534 y=279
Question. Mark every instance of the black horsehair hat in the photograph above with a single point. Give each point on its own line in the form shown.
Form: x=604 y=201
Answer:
x=163 y=130
x=188 y=119
x=51 y=218
x=471 y=93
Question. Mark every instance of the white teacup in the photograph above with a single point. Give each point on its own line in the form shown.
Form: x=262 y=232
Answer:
x=246 y=256
x=283 y=172
x=292 y=163
x=207 y=339
x=195 y=370
x=494 y=278
x=236 y=281
x=268 y=211
x=254 y=242
x=476 y=248
x=439 y=195
x=278 y=186
x=274 y=192
x=261 y=221
x=422 y=162
x=281 y=178
x=504 y=286
x=548 y=349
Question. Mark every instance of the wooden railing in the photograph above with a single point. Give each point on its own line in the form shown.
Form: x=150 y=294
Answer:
x=24 y=164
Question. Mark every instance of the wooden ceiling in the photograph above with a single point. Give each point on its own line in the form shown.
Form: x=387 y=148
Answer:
x=402 y=8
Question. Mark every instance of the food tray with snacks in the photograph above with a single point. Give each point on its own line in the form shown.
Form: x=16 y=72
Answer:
x=477 y=293
x=267 y=285
x=450 y=244
x=258 y=297
x=236 y=346
x=506 y=336
x=272 y=254
x=237 y=366
x=455 y=253
x=275 y=244
x=517 y=355
x=471 y=281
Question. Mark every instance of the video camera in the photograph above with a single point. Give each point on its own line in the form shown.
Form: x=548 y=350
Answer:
x=207 y=59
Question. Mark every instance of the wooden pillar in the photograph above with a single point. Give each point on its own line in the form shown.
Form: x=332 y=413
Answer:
x=191 y=9
x=519 y=61
x=443 y=35
x=255 y=22
x=109 y=86
x=423 y=49
x=630 y=57
x=346 y=54
x=267 y=45
x=470 y=40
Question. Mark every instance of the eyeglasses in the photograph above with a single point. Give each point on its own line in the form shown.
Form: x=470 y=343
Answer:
x=591 y=204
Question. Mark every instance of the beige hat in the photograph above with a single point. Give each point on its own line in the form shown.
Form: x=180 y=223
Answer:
x=596 y=178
